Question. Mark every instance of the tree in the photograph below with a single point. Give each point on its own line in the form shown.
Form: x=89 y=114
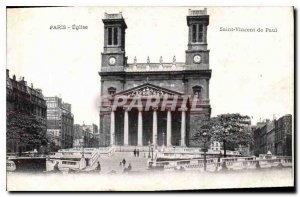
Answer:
x=25 y=130
x=231 y=129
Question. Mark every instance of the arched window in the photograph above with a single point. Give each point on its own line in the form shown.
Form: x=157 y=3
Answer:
x=197 y=32
x=197 y=91
x=111 y=90
x=112 y=36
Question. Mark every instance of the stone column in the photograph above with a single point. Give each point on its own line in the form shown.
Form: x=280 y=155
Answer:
x=183 y=127
x=169 y=128
x=112 y=128
x=126 y=128
x=154 y=140
x=140 y=129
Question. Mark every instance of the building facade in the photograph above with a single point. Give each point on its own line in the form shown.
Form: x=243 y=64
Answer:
x=60 y=121
x=93 y=128
x=271 y=137
x=274 y=136
x=263 y=138
x=26 y=103
x=86 y=136
x=283 y=135
x=153 y=102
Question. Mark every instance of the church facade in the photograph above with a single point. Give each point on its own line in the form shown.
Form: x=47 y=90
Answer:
x=160 y=103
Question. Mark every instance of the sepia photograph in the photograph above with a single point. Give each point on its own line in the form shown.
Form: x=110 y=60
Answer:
x=136 y=98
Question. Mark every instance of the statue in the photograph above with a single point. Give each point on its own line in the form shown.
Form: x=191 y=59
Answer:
x=174 y=59
x=148 y=60
x=134 y=60
x=160 y=60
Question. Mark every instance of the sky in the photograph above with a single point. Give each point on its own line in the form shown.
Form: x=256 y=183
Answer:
x=252 y=72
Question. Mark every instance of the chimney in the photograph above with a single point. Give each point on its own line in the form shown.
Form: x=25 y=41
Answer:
x=32 y=85
x=7 y=73
x=14 y=77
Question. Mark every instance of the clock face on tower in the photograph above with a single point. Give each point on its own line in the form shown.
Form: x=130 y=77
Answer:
x=197 y=59
x=112 y=61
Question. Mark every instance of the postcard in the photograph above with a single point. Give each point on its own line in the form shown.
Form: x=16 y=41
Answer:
x=149 y=98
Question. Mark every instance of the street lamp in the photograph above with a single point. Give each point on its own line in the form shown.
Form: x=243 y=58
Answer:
x=174 y=151
x=149 y=149
x=205 y=138
x=163 y=139
x=82 y=145
x=152 y=151
x=48 y=148
x=224 y=167
x=224 y=142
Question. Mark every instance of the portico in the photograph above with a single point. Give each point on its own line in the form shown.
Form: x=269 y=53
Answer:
x=162 y=122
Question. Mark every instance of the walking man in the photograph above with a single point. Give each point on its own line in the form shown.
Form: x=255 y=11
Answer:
x=98 y=168
x=134 y=152
x=124 y=161
x=129 y=167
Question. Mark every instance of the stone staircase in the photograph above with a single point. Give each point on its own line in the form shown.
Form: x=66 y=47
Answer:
x=113 y=162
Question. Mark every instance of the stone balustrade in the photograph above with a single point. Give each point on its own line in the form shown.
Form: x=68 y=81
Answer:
x=150 y=67
x=197 y=12
x=113 y=16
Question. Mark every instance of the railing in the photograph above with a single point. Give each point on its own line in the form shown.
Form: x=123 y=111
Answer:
x=192 y=152
x=178 y=66
x=140 y=67
x=197 y=12
x=78 y=149
x=94 y=158
x=214 y=164
x=71 y=155
x=65 y=164
x=181 y=150
x=76 y=153
x=70 y=164
x=113 y=16
x=118 y=148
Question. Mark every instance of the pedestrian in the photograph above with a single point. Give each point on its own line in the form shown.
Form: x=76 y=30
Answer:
x=134 y=152
x=55 y=167
x=98 y=167
x=124 y=161
x=138 y=153
x=112 y=172
x=224 y=167
x=129 y=167
x=181 y=168
x=258 y=167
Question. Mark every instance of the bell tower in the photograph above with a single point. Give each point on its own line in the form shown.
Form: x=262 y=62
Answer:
x=113 y=55
x=197 y=53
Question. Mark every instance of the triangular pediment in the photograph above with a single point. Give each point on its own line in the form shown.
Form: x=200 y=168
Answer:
x=148 y=89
